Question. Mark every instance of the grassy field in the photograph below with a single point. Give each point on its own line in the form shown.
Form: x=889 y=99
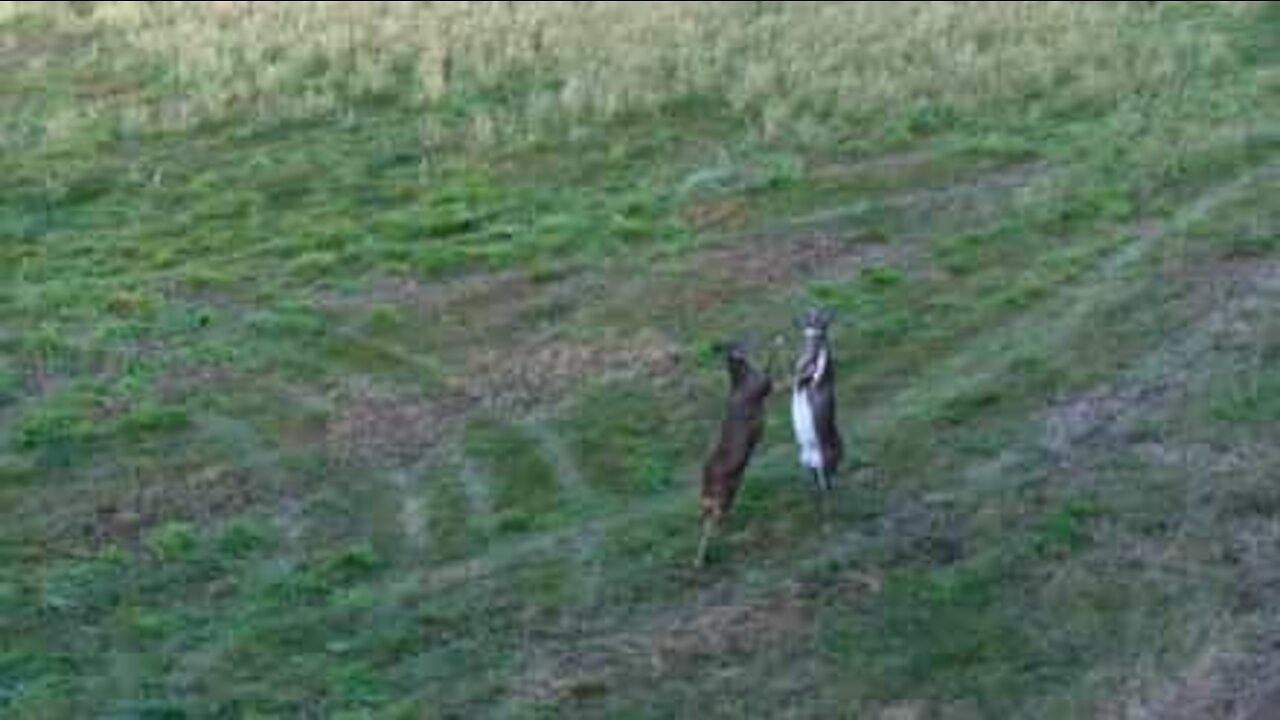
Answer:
x=356 y=358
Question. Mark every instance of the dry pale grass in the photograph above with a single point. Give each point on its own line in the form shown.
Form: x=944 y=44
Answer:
x=806 y=68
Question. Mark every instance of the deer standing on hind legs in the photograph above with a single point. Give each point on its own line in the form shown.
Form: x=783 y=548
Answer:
x=813 y=404
x=740 y=433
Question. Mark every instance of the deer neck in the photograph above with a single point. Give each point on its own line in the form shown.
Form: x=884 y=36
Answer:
x=816 y=354
x=739 y=372
x=747 y=386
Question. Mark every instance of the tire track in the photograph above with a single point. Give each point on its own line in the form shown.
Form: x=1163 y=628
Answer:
x=588 y=544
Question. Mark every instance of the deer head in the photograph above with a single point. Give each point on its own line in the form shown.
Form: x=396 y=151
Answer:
x=816 y=321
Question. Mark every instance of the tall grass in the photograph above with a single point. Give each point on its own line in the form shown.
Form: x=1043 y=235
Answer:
x=512 y=71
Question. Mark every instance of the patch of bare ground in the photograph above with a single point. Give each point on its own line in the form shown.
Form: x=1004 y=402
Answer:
x=1224 y=306
x=1234 y=675
x=666 y=644
x=480 y=305
x=765 y=260
x=823 y=168
x=1075 y=421
x=199 y=496
x=180 y=384
x=383 y=427
x=1228 y=299
x=429 y=298
x=715 y=212
x=1232 y=678
x=522 y=377
x=964 y=204
x=731 y=269
x=833 y=243
x=579 y=661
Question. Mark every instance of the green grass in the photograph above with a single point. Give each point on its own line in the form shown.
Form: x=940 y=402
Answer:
x=525 y=493
x=1056 y=371
x=628 y=440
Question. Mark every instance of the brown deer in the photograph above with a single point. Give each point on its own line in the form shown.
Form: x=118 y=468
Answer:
x=813 y=403
x=741 y=429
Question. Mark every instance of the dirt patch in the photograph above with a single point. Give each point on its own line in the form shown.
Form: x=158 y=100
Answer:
x=383 y=427
x=764 y=260
x=179 y=385
x=672 y=645
x=1223 y=683
x=1233 y=677
x=715 y=631
x=828 y=242
x=475 y=303
x=918 y=213
x=200 y=497
x=1078 y=419
x=1228 y=300
x=473 y=309
x=733 y=269
x=544 y=371
x=1233 y=296
x=1210 y=459
x=718 y=212
x=430 y=297
x=823 y=168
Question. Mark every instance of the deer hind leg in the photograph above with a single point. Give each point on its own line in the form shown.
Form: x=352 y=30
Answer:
x=709 y=524
x=824 y=478
x=815 y=491
x=830 y=496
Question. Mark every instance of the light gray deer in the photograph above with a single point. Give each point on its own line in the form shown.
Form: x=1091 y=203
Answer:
x=813 y=402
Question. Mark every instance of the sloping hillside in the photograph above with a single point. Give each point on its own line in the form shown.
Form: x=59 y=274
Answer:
x=356 y=358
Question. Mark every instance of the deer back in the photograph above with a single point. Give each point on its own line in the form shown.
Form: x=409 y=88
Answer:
x=740 y=432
